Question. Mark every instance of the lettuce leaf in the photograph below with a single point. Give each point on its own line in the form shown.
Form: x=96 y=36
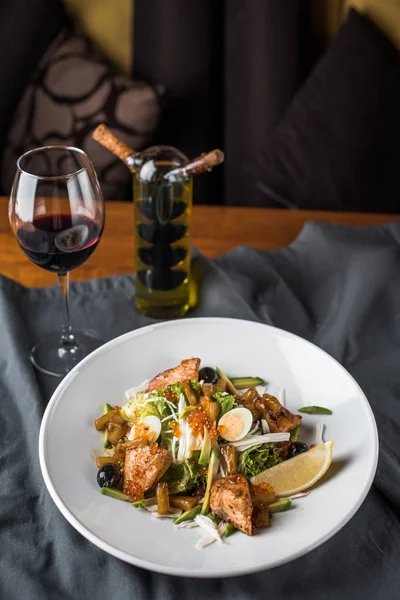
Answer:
x=227 y=402
x=256 y=459
x=176 y=388
x=140 y=407
x=185 y=476
x=157 y=407
x=196 y=387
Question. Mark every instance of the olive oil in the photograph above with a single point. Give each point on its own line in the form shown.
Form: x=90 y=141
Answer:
x=163 y=208
x=163 y=212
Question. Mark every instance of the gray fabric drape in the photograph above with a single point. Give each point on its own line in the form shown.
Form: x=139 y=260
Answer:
x=338 y=287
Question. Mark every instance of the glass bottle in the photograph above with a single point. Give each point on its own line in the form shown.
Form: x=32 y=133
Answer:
x=163 y=210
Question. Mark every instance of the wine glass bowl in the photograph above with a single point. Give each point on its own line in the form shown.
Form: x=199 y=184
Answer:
x=56 y=212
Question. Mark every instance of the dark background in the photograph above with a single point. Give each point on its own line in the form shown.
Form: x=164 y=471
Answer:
x=301 y=125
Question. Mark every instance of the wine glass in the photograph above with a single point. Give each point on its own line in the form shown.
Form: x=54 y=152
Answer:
x=56 y=212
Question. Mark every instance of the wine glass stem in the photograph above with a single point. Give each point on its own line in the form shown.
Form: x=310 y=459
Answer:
x=67 y=341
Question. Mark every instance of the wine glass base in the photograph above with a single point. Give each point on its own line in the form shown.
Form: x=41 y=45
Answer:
x=49 y=358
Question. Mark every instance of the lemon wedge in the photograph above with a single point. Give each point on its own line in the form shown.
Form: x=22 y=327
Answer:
x=299 y=473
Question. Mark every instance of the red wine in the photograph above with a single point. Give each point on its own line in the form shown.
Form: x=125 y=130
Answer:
x=59 y=243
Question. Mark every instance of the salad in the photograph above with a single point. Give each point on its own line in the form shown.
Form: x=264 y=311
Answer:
x=193 y=445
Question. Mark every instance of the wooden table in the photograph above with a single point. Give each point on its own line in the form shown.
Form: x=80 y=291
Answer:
x=215 y=231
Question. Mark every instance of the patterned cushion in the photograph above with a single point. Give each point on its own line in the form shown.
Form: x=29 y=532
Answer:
x=74 y=89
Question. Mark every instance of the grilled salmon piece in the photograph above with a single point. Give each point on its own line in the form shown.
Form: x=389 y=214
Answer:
x=187 y=370
x=144 y=466
x=230 y=499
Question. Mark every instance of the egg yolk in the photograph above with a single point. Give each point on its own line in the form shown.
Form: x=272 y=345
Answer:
x=232 y=425
x=144 y=431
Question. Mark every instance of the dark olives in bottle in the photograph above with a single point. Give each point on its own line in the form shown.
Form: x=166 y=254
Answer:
x=208 y=375
x=297 y=448
x=108 y=475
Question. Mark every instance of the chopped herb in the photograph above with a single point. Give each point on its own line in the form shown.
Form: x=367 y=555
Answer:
x=139 y=504
x=144 y=502
x=189 y=515
x=229 y=529
x=211 y=516
x=315 y=410
x=186 y=411
x=294 y=433
x=196 y=387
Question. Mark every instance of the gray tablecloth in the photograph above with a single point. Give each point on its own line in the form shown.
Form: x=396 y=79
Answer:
x=338 y=287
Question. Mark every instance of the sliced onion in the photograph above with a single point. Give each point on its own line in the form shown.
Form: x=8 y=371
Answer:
x=139 y=388
x=205 y=541
x=208 y=525
x=172 y=409
x=255 y=428
x=253 y=440
x=221 y=527
x=182 y=426
x=187 y=525
x=319 y=430
x=168 y=516
x=264 y=426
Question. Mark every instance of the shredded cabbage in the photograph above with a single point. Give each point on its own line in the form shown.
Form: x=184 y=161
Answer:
x=256 y=459
x=144 y=405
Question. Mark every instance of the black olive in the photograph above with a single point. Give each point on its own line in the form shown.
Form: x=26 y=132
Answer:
x=208 y=375
x=297 y=448
x=108 y=475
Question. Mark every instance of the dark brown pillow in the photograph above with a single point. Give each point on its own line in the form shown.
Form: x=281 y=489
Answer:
x=73 y=90
x=27 y=28
x=338 y=147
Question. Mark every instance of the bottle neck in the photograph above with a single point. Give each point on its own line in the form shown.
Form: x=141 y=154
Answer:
x=204 y=162
x=134 y=161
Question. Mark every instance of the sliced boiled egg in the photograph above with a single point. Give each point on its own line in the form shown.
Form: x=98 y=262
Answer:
x=148 y=428
x=235 y=424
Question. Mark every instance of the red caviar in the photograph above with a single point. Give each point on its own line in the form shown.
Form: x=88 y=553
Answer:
x=197 y=420
x=221 y=430
x=134 y=490
x=153 y=448
x=137 y=471
x=176 y=430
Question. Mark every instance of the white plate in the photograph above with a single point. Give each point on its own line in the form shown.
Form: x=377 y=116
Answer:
x=68 y=440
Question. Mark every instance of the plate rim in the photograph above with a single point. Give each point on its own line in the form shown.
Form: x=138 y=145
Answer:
x=179 y=571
